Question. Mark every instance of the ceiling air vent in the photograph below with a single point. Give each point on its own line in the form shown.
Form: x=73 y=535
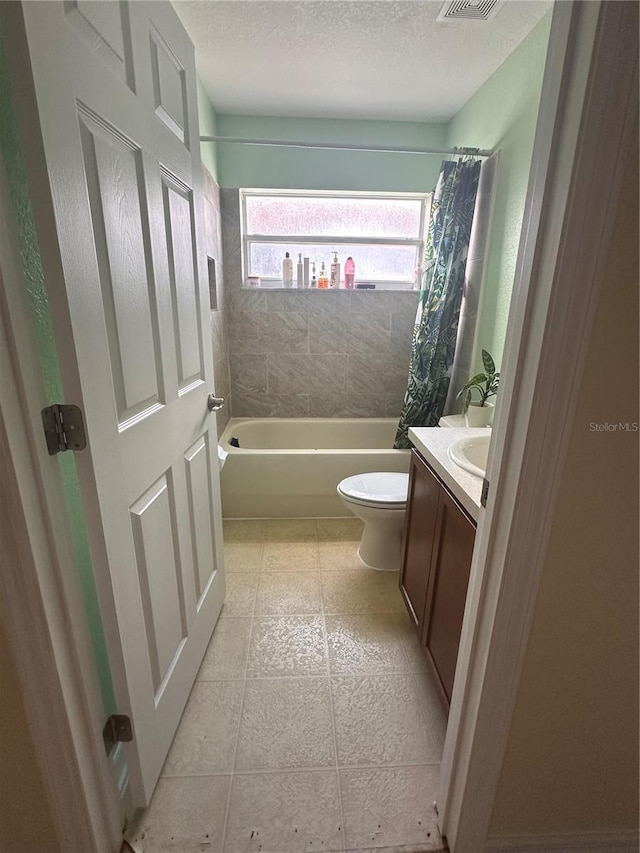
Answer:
x=469 y=10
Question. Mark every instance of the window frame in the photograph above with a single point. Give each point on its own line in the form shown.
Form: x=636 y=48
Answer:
x=380 y=284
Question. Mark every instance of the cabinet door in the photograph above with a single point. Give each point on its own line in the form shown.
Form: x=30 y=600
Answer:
x=447 y=592
x=420 y=525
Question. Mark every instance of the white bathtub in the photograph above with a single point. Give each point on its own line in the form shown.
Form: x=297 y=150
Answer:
x=290 y=467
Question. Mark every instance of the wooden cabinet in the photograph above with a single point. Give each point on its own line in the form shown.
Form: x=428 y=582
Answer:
x=438 y=546
x=420 y=528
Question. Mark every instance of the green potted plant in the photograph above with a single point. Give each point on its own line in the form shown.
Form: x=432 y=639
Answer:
x=478 y=413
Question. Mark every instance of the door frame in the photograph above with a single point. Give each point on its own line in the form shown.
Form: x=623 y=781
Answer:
x=41 y=604
x=589 y=103
x=556 y=245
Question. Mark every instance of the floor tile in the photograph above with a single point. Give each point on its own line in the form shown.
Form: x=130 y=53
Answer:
x=241 y=594
x=226 y=657
x=286 y=723
x=338 y=556
x=379 y=721
x=364 y=644
x=287 y=645
x=362 y=591
x=429 y=696
x=288 y=593
x=185 y=816
x=205 y=740
x=312 y=652
x=339 y=529
x=242 y=556
x=284 y=813
x=290 y=556
x=243 y=529
x=290 y=530
x=415 y=653
x=390 y=806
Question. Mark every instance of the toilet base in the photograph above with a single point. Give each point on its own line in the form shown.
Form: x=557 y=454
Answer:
x=381 y=546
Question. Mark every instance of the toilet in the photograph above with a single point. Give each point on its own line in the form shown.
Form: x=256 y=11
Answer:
x=379 y=499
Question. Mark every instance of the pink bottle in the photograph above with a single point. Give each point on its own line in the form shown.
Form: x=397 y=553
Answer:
x=349 y=273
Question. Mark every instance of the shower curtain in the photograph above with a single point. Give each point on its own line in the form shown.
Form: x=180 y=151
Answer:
x=436 y=327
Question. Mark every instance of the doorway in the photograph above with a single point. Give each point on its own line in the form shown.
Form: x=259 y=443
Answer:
x=469 y=848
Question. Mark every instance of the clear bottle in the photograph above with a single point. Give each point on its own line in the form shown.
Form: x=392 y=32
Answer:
x=323 y=281
x=300 y=271
x=287 y=271
x=314 y=283
x=334 y=281
x=349 y=273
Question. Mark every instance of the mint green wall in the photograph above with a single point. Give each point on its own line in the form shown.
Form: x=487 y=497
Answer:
x=208 y=127
x=298 y=168
x=11 y=153
x=503 y=115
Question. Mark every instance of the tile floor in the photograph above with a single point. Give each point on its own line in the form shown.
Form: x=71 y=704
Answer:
x=313 y=724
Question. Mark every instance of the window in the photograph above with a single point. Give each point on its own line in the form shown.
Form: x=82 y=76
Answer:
x=383 y=233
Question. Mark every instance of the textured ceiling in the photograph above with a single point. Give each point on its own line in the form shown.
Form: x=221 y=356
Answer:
x=386 y=59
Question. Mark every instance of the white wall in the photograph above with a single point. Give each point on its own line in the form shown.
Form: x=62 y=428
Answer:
x=572 y=758
x=25 y=818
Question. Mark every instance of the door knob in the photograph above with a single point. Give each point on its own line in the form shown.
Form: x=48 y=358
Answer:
x=214 y=404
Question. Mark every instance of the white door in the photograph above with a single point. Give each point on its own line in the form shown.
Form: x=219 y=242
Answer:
x=115 y=85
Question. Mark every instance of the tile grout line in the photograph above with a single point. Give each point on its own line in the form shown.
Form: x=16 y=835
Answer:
x=425 y=717
x=237 y=737
x=333 y=717
x=413 y=674
x=416 y=689
x=382 y=673
x=282 y=771
x=343 y=845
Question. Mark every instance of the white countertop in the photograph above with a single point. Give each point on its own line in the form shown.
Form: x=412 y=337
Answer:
x=433 y=443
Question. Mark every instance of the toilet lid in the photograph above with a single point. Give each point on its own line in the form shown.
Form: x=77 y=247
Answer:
x=380 y=487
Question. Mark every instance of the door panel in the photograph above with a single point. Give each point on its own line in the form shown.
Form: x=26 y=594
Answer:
x=169 y=87
x=183 y=282
x=113 y=173
x=100 y=24
x=199 y=475
x=130 y=308
x=153 y=521
x=448 y=584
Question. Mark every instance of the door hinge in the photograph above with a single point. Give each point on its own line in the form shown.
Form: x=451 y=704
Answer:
x=485 y=492
x=63 y=428
x=117 y=729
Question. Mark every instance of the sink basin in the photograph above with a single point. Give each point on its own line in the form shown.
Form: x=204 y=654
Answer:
x=471 y=453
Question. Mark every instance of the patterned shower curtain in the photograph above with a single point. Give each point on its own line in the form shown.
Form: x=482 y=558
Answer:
x=436 y=326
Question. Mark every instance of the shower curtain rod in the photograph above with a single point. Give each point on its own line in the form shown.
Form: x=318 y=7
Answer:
x=346 y=146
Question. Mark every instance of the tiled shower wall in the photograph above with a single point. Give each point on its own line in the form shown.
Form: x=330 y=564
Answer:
x=213 y=248
x=312 y=353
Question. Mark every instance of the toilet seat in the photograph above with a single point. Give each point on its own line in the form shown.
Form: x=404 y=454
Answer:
x=383 y=489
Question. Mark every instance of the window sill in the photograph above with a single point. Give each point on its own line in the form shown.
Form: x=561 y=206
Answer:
x=379 y=286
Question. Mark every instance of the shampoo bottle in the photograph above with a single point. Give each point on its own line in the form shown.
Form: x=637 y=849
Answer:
x=287 y=271
x=300 y=271
x=305 y=271
x=349 y=273
x=314 y=283
x=335 y=272
x=323 y=281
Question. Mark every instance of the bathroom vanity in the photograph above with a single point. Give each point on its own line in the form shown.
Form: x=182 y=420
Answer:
x=440 y=527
